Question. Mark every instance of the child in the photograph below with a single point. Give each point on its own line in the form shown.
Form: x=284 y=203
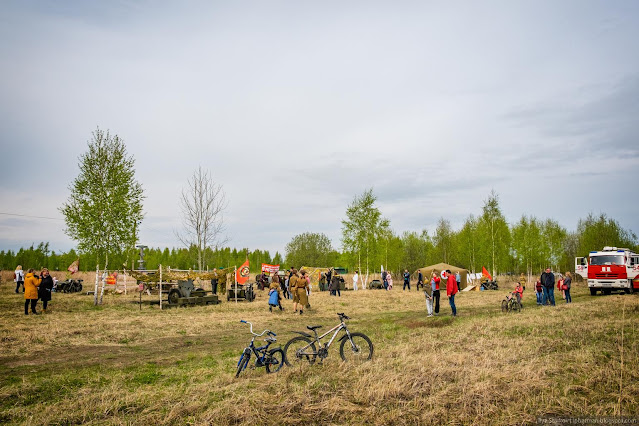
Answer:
x=539 y=292
x=519 y=293
x=274 y=296
x=389 y=279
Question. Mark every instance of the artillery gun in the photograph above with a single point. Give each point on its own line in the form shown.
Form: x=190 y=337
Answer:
x=239 y=292
x=181 y=289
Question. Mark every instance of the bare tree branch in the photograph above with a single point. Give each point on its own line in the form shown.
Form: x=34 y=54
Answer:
x=202 y=203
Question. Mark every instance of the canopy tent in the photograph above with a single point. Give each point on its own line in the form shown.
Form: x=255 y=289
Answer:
x=438 y=268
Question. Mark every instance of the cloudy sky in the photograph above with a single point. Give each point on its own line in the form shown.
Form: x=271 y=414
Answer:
x=296 y=107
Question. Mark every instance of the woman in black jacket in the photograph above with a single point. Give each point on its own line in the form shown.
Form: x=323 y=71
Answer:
x=44 y=290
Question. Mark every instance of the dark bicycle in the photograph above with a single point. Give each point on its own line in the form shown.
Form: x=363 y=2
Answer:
x=271 y=359
x=354 y=347
x=511 y=303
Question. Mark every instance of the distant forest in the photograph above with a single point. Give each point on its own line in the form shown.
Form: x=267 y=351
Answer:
x=527 y=246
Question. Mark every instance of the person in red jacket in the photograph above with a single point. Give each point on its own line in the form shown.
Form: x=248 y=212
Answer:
x=451 y=291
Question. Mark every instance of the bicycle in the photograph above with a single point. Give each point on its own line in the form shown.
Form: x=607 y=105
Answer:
x=510 y=304
x=271 y=359
x=302 y=348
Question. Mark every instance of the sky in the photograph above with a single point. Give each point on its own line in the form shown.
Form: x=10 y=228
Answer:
x=297 y=107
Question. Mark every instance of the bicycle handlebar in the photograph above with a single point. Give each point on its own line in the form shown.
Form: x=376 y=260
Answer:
x=255 y=334
x=342 y=316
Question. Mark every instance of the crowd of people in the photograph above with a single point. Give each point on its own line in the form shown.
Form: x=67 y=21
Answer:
x=296 y=285
x=35 y=287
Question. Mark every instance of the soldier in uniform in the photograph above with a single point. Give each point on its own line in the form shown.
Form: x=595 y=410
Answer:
x=522 y=281
x=292 y=286
x=302 y=297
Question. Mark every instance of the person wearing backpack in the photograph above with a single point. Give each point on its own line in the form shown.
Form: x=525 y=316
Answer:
x=18 y=278
x=274 y=297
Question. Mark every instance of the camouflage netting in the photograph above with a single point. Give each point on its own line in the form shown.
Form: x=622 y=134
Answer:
x=153 y=277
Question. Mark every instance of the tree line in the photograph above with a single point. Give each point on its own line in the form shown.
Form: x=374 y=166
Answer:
x=177 y=258
x=528 y=246
x=487 y=240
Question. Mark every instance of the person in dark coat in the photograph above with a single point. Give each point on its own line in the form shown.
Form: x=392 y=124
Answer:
x=44 y=290
x=335 y=285
x=406 y=280
x=420 y=280
x=567 y=284
x=548 y=283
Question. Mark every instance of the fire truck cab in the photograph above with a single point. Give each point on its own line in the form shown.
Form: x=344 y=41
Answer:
x=610 y=269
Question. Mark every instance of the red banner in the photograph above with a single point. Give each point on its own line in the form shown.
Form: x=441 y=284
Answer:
x=271 y=269
x=485 y=273
x=243 y=273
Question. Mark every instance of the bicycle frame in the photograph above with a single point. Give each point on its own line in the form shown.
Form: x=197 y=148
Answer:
x=339 y=327
x=260 y=352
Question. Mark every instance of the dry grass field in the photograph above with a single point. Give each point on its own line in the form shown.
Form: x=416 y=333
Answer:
x=119 y=364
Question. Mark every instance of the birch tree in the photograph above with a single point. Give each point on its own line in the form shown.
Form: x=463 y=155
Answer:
x=104 y=207
x=363 y=229
x=202 y=203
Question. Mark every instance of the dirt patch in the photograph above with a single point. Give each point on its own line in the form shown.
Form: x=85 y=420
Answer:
x=163 y=351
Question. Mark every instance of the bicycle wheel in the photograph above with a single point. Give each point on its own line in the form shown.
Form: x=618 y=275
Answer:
x=504 y=306
x=299 y=349
x=358 y=348
x=275 y=360
x=516 y=306
x=241 y=365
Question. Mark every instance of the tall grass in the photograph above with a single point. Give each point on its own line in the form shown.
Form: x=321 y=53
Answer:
x=118 y=364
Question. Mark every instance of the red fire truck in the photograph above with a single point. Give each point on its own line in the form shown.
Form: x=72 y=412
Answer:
x=610 y=269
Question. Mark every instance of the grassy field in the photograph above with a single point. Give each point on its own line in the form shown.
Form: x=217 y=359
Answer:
x=117 y=364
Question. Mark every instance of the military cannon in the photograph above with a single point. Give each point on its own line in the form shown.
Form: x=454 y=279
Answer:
x=185 y=293
x=239 y=292
x=69 y=286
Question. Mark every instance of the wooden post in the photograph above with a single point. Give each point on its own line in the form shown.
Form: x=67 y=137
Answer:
x=95 y=290
x=125 y=279
x=160 y=286
x=235 y=283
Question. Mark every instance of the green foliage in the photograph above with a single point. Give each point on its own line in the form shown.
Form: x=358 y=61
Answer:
x=467 y=245
x=363 y=229
x=417 y=250
x=494 y=236
x=443 y=240
x=310 y=249
x=104 y=206
x=596 y=232
x=527 y=245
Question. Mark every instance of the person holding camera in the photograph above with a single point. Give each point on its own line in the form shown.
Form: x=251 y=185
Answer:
x=31 y=284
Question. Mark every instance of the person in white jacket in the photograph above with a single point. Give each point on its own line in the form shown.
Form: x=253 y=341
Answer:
x=19 y=278
x=355 y=279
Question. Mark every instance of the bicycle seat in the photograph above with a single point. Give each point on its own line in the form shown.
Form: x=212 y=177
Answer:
x=313 y=327
x=270 y=340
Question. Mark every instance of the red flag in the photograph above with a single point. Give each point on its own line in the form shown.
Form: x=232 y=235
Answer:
x=73 y=268
x=243 y=273
x=485 y=273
